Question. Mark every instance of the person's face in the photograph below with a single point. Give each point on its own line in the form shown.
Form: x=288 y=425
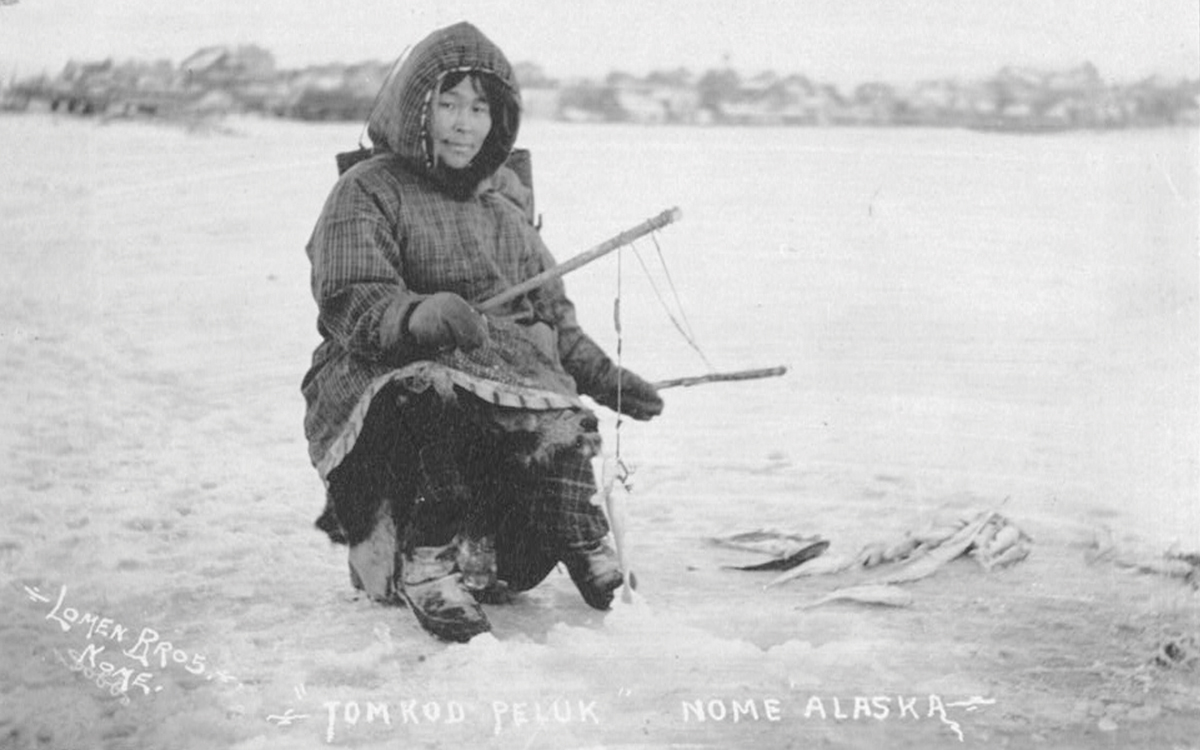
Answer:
x=461 y=121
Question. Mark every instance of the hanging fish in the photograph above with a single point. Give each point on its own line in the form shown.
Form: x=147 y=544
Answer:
x=611 y=498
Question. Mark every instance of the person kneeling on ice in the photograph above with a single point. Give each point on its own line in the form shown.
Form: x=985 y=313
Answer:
x=454 y=446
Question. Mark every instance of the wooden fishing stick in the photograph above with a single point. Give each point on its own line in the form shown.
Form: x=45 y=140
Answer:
x=767 y=372
x=622 y=239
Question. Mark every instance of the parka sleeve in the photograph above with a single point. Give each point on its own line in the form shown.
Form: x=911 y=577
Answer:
x=582 y=358
x=357 y=274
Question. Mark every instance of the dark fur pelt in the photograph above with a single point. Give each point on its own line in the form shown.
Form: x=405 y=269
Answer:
x=379 y=468
x=532 y=439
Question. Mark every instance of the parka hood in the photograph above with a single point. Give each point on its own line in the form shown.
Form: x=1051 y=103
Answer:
x=399 y=122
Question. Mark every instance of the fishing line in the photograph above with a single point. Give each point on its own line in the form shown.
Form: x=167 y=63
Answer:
x=621 y=472
x=671 y=283
x=620 y=346
x=687 y=334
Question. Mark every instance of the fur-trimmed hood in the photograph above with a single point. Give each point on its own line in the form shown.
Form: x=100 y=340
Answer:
x=399 y=123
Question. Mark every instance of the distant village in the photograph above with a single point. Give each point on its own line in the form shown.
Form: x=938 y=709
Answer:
x=224 y=80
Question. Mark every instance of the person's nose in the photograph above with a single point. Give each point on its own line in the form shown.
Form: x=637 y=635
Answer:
x=461 y=120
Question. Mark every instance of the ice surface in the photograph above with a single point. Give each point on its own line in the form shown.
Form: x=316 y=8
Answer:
x=967 y=318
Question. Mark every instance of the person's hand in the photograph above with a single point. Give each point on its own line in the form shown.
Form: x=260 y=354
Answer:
x=446 y=321
x=639 y=399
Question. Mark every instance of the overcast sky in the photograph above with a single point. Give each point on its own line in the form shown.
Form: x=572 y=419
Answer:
x=839 y=41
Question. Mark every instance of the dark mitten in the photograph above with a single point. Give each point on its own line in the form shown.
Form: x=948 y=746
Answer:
x=639 y=399
x=446 y=320
x=599 y=377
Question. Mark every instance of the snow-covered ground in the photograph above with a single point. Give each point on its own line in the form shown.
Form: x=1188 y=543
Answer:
x=971 y=321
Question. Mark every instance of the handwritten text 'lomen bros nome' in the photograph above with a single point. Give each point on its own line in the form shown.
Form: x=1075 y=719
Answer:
x=113 y=657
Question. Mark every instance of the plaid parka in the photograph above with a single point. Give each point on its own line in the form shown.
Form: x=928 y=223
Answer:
x=394 y=230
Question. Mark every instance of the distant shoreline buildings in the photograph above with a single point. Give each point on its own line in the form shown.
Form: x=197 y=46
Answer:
x=223 y=80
